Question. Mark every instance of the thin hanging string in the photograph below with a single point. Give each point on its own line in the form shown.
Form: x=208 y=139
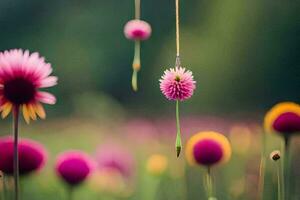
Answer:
x=137 y=9
x=177 y=27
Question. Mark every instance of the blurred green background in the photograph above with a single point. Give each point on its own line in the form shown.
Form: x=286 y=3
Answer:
x=244 y=56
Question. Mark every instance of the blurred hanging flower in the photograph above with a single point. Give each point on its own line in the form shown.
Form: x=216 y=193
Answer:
x=113 y=156
x=32 y=155
x=157 y=164
x=74 y=166
x=208 y=149
x=177 y=84
x=137 y=30
x=283 y=118
x=21 y=75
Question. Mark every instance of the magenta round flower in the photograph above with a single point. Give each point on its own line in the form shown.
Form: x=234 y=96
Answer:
x=32 y=155
x=177 y=84
x=287 y=123
x=113 y=156
x=21 y=75
x=137 y=30
x=208 y=152
x=74 y=166
x=207 y=149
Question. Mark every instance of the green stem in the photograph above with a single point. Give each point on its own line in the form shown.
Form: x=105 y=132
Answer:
x=3 y=187
x=209 y=184
x=286 y=168
x=279 y=181
x=178 y=136
x=137 y=54
x=262 y=167
x=16 y=153
x=134 y=81
x=136 y=65
x=70 y=193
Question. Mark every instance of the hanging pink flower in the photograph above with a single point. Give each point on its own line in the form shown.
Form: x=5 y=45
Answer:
x=74 y=166
x=21 y=76
x=32 y=155
x=137 y=30
x=177 y=84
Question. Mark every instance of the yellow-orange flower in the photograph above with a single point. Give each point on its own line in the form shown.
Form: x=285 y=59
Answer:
x=283 y=118
x=208 y=149
x=157 y=164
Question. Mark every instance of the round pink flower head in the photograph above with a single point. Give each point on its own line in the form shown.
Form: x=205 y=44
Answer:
x=137 y=30
x=32 y=156
x=21 y=75
x=74 y=167
x=177 y=84
x=113 y=156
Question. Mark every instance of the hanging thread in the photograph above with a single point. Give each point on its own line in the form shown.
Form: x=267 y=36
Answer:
x=177 y=27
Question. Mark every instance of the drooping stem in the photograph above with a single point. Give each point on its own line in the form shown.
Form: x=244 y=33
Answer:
x=262 y=167
x=16 y=153
x=137 y=4
x=178 y=135
x=136 y=65
x=177 y=27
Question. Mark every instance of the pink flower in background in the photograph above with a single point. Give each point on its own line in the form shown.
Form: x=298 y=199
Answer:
x=137 y=30
x=32 y=155
x=113 y=156
x=140 y=130
x=74 y=166
x=21 y=75
x=177 y=84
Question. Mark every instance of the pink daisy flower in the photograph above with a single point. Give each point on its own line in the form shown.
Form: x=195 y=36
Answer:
x=177 y=84
x=137 y=30
x=21 y=75
x=74 y=166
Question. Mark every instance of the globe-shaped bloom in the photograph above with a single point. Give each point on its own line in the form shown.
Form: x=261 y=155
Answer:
x=208 y=149
x=32 y=155
x=283 y=118
x=21 y=76
x=177 y=84
x=116 y=157
x=137 y=30
x=74 y=167
x=157 y=164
